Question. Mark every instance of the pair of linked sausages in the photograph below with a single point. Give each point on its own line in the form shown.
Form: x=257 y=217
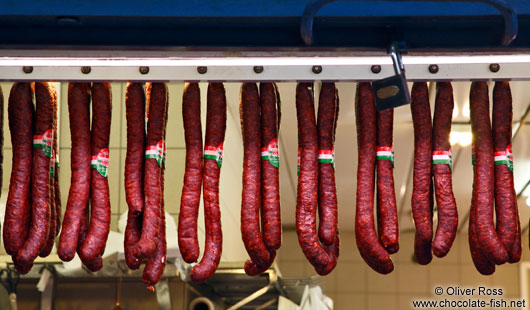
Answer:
x=89 y=182
x=33 y=209
x=145 y=232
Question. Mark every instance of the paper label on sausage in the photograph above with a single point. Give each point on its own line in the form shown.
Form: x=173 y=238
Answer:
x=298 y=163
x=215 y=153
x=157 y=152
x=443 y=158
x=505 y=157
x=54 y=164
x=44 y=142
x=473 y=154
x=100 y=162
x=327 y=156
x=271 y=153
x=385 y=153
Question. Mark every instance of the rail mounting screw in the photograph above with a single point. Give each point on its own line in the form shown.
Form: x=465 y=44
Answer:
x=202 y=70
x=494 y=68
x=144 y=70
x=258 y=69
x=27 y=69
x=433 y=69
x=317 y=69
x=376 y=69
x=86 y=70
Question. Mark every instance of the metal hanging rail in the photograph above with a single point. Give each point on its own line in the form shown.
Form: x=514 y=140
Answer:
x=295 y=67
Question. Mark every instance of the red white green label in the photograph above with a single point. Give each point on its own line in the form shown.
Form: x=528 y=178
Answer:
x=385 y=153
x=442 y=158
x=100 y=162
x=504 y=157
x=215 y=153
x=157 y=152
x=298 y=163
x=44 y=142
x=473 y=154
x=271 y=153
x=54 y=163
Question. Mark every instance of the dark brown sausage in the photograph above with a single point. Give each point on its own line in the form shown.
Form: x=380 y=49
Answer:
x=214 y=139
x=387 y=221
x=270 y=185
x=422 y=179
x=371 y=250
x=251 y=195
x=98 y=231
x=79 y=110
x=135 y=103
x=155 y=142
x=489 y=242
x=84 y=224
x=327 y=193
x=191 y=190
x=441 y=167
x=50 y=239
x=505 y=199
x=46 y=98
x=18 y=207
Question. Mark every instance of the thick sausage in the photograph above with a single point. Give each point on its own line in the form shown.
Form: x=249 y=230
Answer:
x=251 y=195
x=387 y=221
x=98 y=231
x=94 y=265
x=327 y=193
x=441 y=167
x=135 y=103
x=46 y=98
x=18 y=206
x=155 y=145
x=191 y=190
x=368 y=243
x=270 y=185
x=307 y=192
x=213 y=145
x=482 y=264
x=489 y=242
x=50 y=239
x=422 y=179
x=79 y=110
x=505 y=199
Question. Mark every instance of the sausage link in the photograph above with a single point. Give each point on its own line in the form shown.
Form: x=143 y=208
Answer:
x=482 y=264
x=158 y=101
x=374 y=254
x=215 y=134
x=50 y=239
x=307 y=193
x=387 y=221
x=98 y=230
x=445 y=200
x=516 y=250
x=96 y=264
x=422 y=179
x=135 y=103
x=489 y=242
x=46 y=98
x=270 y=184
x=251 y=202
x=505 y=199
x=191 y=190
x=18 y=207
x=79 y=110
x=327 y=193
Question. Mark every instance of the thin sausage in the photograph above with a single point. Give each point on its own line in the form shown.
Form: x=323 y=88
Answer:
x=482 y=264
x=251 y=195
x=46 y=98
x=387 y=221
x=191 y=190
x=155 y=129
x=441 y=167
x=489 y=242
x=18 y=207
x=79 y=110
x=94 y=265
x=505 y=198
x=270 y=185
x=213 y=144
x=422 y=179
x=371 y=250
x=98 y=231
